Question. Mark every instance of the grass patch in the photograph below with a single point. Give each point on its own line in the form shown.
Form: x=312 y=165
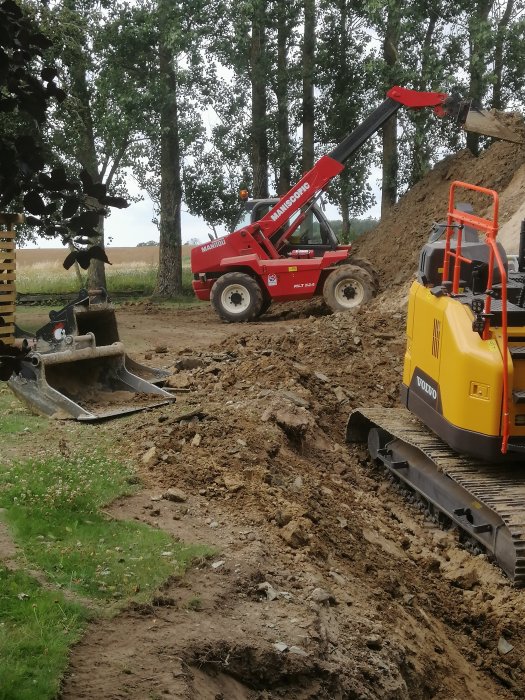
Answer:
x=37 y=627
x=51 y=278
x=52 y=508
x=15 y=417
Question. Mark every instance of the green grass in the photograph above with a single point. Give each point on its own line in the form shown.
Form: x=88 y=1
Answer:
x=15 y=417
x=53 y=510
x=37 y=627
x=55 y=280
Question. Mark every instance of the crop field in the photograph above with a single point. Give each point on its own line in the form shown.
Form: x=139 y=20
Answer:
x=40 y=271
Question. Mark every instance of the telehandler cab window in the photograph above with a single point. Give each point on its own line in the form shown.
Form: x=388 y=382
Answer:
x=312 y=231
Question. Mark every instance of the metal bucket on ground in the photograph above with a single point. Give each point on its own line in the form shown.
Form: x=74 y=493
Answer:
x=78 y=368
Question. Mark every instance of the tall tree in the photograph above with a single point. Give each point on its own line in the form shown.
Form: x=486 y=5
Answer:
x=97 y=127
x=389 y=145
x=502 y=28
x=308 y=111
x=169 y=278
x=259 y=84
x=480 y=44
x=343 y=82
x=282 y=94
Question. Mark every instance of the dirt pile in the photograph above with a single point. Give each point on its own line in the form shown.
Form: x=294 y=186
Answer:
x=327 y=585
x=394 y=245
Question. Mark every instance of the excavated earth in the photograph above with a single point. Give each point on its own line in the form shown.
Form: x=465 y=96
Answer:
x=327 y=580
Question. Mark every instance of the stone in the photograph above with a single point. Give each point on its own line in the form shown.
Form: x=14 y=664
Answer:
x=149 y=456
x=295 y=533
x=232 y=483
x=176 y=495
x=280 y=646
x=190 y=363
x=504 y=647
x=374 y=642
x=217 y=564
x=339 y=394
x=197 y=439
x=294 y=423
x=320 y=595
x=322 y=377
x=295 y=399
x=340 y=580
x=297 y=484
x=161 y=349
x=178 y=381
x=268 y=590
x=297 y=651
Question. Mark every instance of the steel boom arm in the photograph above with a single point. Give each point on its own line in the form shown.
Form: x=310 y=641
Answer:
x=328 y=166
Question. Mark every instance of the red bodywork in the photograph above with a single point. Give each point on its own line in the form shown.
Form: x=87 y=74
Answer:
x=250 y=249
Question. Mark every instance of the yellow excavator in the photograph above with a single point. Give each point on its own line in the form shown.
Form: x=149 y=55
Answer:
x=464 y=379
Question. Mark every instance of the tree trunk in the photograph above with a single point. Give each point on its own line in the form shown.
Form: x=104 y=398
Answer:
x=283 y=117
x=390 y=156
x=169 y=279
x=497 y=101
x=308 y=85
x=478 y=50
x=420 y=148
x=259 y=145
x=86 y=150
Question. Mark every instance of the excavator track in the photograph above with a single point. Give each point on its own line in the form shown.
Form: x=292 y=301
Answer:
x=487 y=501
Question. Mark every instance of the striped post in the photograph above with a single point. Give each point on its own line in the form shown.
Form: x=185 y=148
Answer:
x=8 y=276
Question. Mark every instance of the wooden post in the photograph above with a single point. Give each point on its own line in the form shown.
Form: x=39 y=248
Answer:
x=8 y=276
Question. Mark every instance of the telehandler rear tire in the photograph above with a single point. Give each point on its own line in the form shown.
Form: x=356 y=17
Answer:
x=237 y=297
x=347 y=287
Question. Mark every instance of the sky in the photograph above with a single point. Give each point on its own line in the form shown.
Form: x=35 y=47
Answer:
x=126 y=228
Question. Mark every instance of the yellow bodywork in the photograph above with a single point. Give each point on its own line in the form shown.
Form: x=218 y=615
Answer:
x=467 y=369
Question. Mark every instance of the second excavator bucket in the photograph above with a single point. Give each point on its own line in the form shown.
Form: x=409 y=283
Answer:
x=84 y=381
x=481 y=121
x=78 y=368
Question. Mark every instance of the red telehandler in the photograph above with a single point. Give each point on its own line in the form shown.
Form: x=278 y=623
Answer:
x=291 y=252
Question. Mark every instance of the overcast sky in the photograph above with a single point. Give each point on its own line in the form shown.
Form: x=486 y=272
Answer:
x=126 y=228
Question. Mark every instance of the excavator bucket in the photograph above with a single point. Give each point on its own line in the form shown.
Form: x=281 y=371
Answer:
x=78 y=368
x=481 y=121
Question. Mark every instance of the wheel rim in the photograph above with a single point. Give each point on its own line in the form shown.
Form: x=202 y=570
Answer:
x=235 y=298
x=349 y=293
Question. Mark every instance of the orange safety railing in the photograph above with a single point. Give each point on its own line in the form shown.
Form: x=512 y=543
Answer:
x=456 y=220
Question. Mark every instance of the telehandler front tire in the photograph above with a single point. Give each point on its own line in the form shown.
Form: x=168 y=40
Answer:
x=236 y=297
x=347 y=287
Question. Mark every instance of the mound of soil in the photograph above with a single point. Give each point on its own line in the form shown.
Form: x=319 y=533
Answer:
x=394 y=245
